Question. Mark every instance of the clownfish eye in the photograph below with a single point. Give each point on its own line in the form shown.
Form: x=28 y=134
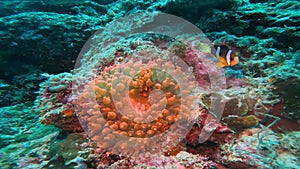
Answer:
x=119 y=59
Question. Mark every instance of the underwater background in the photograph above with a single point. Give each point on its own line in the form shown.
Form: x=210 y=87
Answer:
x=42 y=39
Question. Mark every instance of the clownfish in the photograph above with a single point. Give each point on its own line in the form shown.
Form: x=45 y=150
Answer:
x=227 y=56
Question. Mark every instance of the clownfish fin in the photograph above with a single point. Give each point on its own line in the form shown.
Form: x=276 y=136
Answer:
x=235 y=61
x=228 y=56
x=220 y=65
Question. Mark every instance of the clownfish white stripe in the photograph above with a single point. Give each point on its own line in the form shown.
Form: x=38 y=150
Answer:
x=228 y=56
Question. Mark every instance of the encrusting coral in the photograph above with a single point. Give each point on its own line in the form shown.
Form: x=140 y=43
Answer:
x=181 y=160
x=55 y=107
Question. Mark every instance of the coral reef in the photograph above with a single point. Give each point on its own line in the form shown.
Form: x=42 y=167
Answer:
x=266 y=34
x=260 y=95
x=45 y=33
x=181 y=160
x=23 y=138
x=99 y=112
x=263 y=21
x=264 y=148
x=50 y=33
x=20 y=89
x=54 y=105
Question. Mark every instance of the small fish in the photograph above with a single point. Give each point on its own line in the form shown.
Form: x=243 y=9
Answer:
x=227 y=56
